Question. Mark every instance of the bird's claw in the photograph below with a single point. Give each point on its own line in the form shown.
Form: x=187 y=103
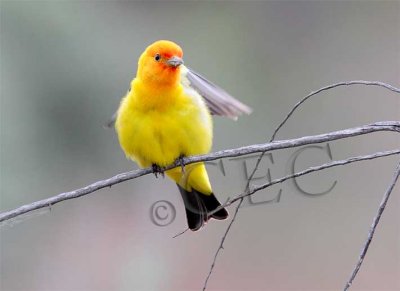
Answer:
x=157 y=170
x=179 y=161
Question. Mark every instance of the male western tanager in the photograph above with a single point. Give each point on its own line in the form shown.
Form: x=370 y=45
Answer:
x=165 y=115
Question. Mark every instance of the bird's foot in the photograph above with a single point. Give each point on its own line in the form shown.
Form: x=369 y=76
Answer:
x=157 y=170
x=179 y=162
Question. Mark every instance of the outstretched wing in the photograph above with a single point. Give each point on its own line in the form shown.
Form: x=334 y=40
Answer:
x=217 y=99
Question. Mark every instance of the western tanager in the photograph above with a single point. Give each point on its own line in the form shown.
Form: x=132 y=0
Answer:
x=166 y=115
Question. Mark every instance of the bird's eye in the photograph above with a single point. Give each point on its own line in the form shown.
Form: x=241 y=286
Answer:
x=157 y=57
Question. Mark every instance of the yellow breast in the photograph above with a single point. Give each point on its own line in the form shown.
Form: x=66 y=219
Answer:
x=159 y=125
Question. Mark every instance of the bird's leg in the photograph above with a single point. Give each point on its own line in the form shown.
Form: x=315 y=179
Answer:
x=157 y=170
x=179 y=161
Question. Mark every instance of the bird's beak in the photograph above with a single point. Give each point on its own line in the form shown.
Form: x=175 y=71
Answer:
x=175 y=61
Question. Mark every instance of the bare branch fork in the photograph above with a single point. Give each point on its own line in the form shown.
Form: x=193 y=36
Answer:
x=247 y=190
x=379 y=126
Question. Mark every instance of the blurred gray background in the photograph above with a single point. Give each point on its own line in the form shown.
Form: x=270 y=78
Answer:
x=65 y=66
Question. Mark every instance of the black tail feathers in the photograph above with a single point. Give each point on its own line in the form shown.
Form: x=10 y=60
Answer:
x=198 y=206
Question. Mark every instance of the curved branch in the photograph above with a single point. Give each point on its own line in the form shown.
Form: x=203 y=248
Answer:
x=349 y=83
x=356 y=131
x=373 y=227
x=346 y=83
x=308 y=171
x=248 y=192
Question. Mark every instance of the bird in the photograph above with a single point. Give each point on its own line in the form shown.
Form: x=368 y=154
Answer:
x=165 y=116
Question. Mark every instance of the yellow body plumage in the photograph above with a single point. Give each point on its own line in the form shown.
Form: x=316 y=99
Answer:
x=156 y=124
x=163 y=117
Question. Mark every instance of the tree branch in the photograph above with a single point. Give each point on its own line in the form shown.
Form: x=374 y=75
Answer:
x=281 y=180
x=308 y=171
x=373 y=227
x=356 y=131
x=297 y=105
x=348 y=83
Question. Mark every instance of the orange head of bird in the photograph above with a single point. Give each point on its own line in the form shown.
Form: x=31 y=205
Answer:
x=159 y=64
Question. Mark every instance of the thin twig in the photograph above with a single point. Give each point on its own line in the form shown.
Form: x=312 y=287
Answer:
x=373 y=227
x=348 y=83
x=221 y=245
x=311 y=170
x=180 y=233
x=241 y=196
x=379 y=126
